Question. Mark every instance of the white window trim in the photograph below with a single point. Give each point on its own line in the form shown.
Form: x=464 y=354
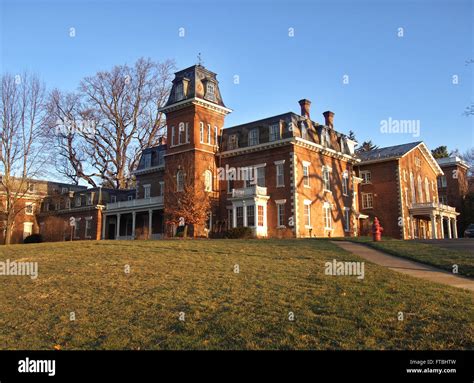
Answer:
x=32 y=204
x=307 y=165
x=145 y=188
x=280 y=202
x=371 y=207
x=347 y=223
x=329 y=170
x=327 y=207
x=361 y=174
x=277 y=166
x=87 y=219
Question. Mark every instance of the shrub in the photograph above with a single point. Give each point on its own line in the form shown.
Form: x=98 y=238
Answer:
x=33 y=238
x=239 y=233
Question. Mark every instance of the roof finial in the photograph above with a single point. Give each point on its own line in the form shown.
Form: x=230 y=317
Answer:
x=199 y=59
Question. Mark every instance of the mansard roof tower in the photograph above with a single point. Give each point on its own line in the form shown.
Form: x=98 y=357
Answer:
x=195 y=114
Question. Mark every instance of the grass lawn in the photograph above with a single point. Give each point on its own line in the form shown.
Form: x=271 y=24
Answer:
x=426 y=253
x=222 y=309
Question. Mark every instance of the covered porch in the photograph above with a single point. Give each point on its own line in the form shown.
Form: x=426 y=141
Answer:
x=136 y=219
x=432 y=220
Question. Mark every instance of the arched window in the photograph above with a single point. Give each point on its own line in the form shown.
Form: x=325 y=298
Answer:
x=412 y=188
x=420 y=190
x=179 y=181
x=208 y=181
x=427 y=190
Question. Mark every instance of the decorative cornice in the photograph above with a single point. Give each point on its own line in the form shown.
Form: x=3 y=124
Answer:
x=196 y=101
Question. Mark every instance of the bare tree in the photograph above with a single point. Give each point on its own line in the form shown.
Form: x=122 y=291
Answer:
x=23 y=153
x=114 y=116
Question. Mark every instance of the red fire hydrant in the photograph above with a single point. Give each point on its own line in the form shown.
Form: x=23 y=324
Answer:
x=376 y=230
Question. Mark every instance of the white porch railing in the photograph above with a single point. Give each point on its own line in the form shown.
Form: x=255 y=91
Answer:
x=432 y=205
x=141 y=202
x=250 y=191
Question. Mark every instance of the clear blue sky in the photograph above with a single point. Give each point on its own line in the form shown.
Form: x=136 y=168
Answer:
x=403 y=78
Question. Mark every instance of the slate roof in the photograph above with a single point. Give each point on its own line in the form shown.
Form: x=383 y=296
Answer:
x=388 y=152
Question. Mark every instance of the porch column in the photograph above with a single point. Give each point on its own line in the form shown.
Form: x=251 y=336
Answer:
x=117 y=234
x=449 y=228
x=134 y=218
x=104 y=222
x=455 y=227
x=150 y=222
x=442 y=226
x=412 y=227
x=234 y=216
x=433 y=226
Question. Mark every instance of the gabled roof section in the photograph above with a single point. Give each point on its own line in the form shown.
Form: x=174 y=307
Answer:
x=389 y=152
x=395 y=152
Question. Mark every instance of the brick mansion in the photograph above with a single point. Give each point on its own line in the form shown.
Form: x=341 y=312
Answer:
x=307 y=180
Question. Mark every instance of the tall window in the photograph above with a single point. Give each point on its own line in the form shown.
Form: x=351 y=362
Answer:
x=261 y=176
x=179 y=92
x=274 y=132
x=327 y=216
x=253 y=137
x=239 y=212
x=326 y=181
x=367 y=201
x=181 y=133
x=89 y=199
x=325 y=137
x=172 y=135
x=306 y=174
x=281 y=214
x=345 y=182
x=307 y=213
x=366 y=176
x=216 y=134
x=146 y=191
x=347 y=219
x=412 y=188
x=147 y=160
x=180 y=181
x=420 y=190
x=251 y=215
x=280 y=175
x=201 y=133
x=209 y=134
x=207 y=181
x=260 y=215
x=78 y=201
x=304 y=130
x=210 y=91
x=162 y=188
x=442 y=181
x=427 y=190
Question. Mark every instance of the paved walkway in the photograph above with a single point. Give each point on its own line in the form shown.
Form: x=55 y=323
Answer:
x=406 y=266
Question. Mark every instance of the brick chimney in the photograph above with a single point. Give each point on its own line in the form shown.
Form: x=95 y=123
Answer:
x=305 y=106
x=329 y=119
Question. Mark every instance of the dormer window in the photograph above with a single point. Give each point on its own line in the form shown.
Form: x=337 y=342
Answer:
x=304 y=131
x=232 y=142
x=147 y=160
x=210 y=91
x=325 y=138
x=179 y=92
x=274 y=132
x=253 y=137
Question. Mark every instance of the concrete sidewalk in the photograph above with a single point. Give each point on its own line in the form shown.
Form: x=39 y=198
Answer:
x=406 y=266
